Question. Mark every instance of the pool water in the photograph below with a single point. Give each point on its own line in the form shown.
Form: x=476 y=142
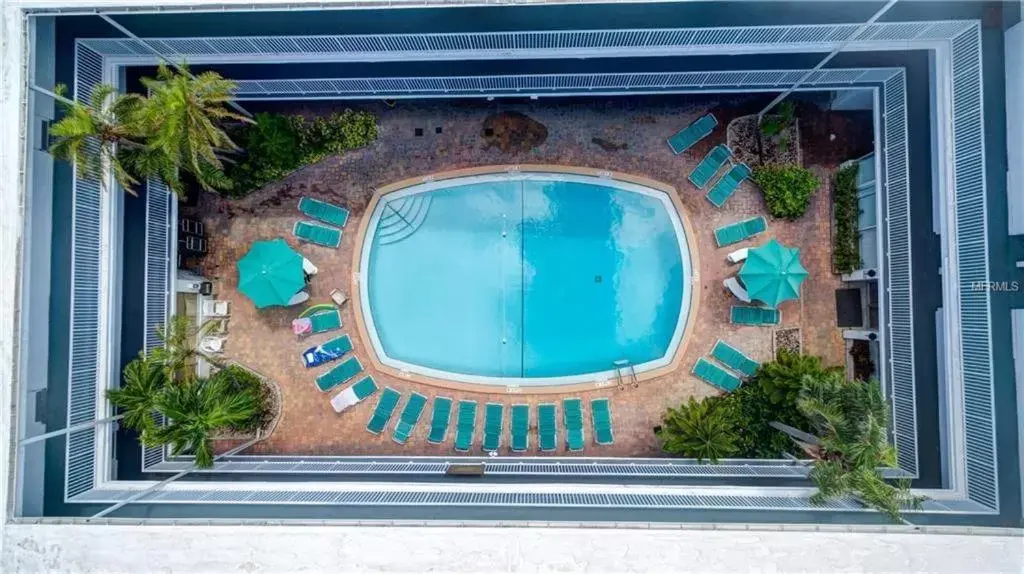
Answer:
x=529 y=279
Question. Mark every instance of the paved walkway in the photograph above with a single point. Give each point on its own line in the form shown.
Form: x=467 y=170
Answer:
x=263 y=340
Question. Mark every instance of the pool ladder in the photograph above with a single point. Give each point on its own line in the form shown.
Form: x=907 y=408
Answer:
x=624 y=365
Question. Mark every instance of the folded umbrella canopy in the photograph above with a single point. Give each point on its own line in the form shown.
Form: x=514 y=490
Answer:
x=773 y=273
x=270 y=273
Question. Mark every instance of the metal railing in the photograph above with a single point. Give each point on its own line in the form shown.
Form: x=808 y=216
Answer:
x=85 y=344
x=898 y=294
x=973 y=267
x=523 y=44
x=156 y=299
x=561 y=84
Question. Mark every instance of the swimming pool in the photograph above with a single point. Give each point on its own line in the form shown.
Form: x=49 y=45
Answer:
x=524 y=278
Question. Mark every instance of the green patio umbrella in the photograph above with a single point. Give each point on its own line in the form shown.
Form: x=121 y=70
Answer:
x=773 y=273
x=270 y=273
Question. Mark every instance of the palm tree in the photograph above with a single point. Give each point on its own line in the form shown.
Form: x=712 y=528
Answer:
x=701 y=430
x=179 y=351
x=182 y=118
x=143 y=382
x=194 y=410
x=851 y=446
x=91 y=135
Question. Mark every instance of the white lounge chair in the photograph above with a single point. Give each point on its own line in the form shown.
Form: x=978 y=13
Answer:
x=308 y=268
x=738 y=256
x=300 y=297
x=212 y=345
x=733 y=285
x=215 y=308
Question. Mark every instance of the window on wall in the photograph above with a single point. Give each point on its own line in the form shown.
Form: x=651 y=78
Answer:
x=868 y=221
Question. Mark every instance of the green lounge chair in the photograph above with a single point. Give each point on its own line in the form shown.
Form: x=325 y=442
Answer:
x=323 y=211
x=317 y=233
x=691 y=134
x=493 y=413
x=734 y=358
x=465 y=424
x=709 y=166
x=757 y=316
x=727 y=185
x=601 y=415
x=383 y=411
x=354 y=394
x=339 y=374
x=716 y=375
x=520 y=427
x=572 y=415
x=547 y=427
x=329 y=351
x=409 y=417
x=325 y=321
x=439 y=420
x=739 y=231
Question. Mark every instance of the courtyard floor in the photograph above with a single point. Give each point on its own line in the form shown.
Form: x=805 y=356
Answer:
x=263 y=340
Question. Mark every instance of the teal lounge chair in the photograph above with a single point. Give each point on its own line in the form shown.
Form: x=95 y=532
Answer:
x=727 y=185
x=709 y=166
x=520 y=427
x=339 y=374
x=740 y=231
x=601 y=415
x=547 y=427
x=439 y=420
x=325 y=321
x=493 y=413
x=716 y=375
x=734 y=358
x=465 y=424
x=323 y=211
x=317 y=233
x=757 y=316
x=693 y=133
x=409 y=417
x=572 y=415
x=383 y=411
x=354 y=394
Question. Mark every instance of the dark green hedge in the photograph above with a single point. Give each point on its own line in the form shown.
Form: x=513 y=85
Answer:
x=787 y=189
x=846 y=207
x=278 y=144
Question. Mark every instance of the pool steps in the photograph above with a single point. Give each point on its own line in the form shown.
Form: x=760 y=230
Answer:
x=401 y=218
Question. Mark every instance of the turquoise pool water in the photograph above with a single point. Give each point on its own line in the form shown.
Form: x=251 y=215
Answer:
x=527 y=278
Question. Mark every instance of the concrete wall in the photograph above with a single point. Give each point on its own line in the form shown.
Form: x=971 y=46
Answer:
x=35 y=276
x=1014 y=52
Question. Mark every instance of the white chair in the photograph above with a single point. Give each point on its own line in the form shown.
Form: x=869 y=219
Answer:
x=338 y=297
x=212 y=345
x=215 y=308
x=300 y=297
x=733 y=285
x=738 y=256
x=308 y=268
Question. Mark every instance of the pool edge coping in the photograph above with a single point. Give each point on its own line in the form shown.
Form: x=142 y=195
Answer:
x=366 y=340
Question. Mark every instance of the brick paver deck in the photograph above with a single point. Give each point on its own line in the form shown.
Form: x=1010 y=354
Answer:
x=263 y=339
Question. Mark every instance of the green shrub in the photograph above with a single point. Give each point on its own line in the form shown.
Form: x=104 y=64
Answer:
x=239 y=380
x=774 y=124
x=704 y=430
x=787 y=189
x=782 y=378
x=739 y=423
x=279 y=144
x=846 y=209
